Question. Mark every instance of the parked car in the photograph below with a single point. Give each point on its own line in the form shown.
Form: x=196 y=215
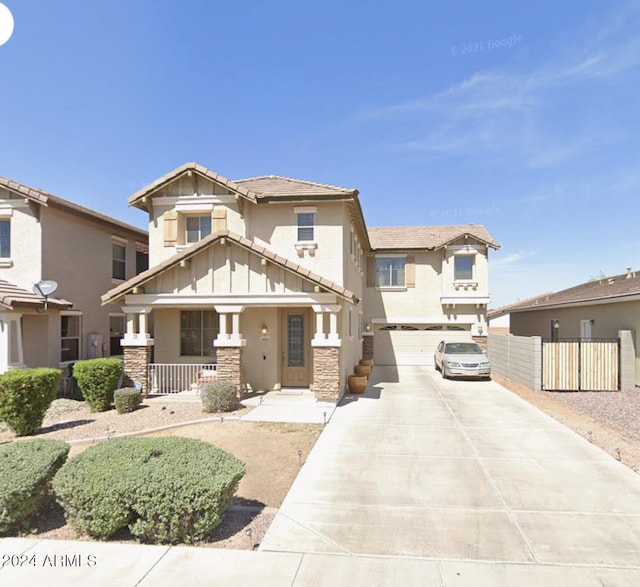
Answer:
x=461 y=359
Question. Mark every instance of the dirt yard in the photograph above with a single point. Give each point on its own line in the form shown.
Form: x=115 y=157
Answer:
x=273 y=454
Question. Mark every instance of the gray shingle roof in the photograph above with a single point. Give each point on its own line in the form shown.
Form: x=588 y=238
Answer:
x=142 y=278
x=426 y=237
x=12 y=295
x=614 y=288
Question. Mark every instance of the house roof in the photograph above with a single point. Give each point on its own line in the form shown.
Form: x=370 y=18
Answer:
x=617 y=288
x=11 y=296
x=279 y=187
x=139 y=198
x=142 y=278
x=426 y=237
x=46 y=199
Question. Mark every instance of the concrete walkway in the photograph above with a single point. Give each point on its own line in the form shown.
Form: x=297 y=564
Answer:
x=420 y=481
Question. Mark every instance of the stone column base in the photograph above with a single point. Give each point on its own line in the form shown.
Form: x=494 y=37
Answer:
x=230 y=367
x=136 y=367
x=326 y=373
x=481 y=340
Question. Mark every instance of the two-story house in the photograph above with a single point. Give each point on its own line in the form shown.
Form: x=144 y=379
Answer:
x=44 y=238
x=268 y=279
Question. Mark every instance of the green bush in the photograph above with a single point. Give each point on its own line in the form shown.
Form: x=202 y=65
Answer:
x=98 y=379
x=219 y=396
x=166 y=490
x=26 y=470
x=126 y=399
x=25 y=397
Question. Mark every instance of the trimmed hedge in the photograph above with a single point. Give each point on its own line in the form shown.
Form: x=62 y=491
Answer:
x=219 y=396
x=126 y=399
x=26 y=470
x=166 y=490
x=25 y=397
x=98 y=378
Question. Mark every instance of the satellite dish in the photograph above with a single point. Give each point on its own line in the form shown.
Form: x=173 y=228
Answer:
x=45 y=287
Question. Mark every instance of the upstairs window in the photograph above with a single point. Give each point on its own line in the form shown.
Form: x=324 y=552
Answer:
x=142 y=258
x=198 y=227
x=390 y=271
x=5 y=238
x=306 y=221
x=118 y=263
x=463 y=267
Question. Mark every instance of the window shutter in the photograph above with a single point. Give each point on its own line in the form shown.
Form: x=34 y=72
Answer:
x=371 y=271
x=170 y=227
x=218 y=219
x=410 y=272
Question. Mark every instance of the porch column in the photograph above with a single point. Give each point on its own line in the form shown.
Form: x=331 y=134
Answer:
x=229 y=348
x=326 y=355
x=11 y=351
x=137 y=346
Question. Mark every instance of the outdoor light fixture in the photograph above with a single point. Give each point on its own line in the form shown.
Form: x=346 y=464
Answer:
x=367 y=326
x=265 y=330
x=480 y=329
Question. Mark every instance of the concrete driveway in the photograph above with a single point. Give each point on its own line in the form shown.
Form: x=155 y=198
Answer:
x=427 y=481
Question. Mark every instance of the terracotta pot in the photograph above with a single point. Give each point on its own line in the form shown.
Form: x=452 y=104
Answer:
x=362 y=370
x=368 y=362
x=357 y=383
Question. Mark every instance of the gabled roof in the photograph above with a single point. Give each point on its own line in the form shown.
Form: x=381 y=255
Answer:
x=139 y=198
x=139 y=280
x=279 y=187
x=46 y=199
x=426 y=237
x=11 y=296
x=617 y=288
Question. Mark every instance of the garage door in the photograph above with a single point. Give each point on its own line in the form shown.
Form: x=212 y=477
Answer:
x=413 y=344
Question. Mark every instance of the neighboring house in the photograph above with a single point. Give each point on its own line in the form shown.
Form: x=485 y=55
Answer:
x=44 y=237
x=597 y=309
x=279 y=283
x=498 y=325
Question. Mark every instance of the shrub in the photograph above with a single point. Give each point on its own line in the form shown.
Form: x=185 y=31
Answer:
x=166 y=490
x=219 y=396
x=25 y=397
x=126 y=399
x=26 y=470
x=98 y=379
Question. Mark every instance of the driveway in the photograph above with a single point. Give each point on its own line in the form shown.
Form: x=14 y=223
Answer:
x=428 y=481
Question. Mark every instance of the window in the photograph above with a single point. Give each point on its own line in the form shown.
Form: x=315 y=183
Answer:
x=142 y=258
x=463 y=267
x=118 y=266
x=305 y=226
x=390 y=272
x=5 y=238
x=116 y=333
x=198 y=328
x=198 y=227
x=69 y=337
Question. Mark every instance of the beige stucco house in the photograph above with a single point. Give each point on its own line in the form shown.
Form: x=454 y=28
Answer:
x=597 y=309
x=279 y=283
x=46 y=238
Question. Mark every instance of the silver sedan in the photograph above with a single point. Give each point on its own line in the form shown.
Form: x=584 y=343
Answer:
x=461 y=359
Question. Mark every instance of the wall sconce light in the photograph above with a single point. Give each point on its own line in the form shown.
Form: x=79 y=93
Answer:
x=265 y=330
x=367 y=326
x=556 y=324
x=592 y=321
x=480 y=329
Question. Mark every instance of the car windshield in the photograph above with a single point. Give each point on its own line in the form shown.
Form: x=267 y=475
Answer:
x=462 y=348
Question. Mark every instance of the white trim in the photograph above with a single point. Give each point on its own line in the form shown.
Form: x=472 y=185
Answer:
x=196 y=208
x=326 y=342
x=6 y=262
x=464 y=249
x=177 y=300
x=305 y=210
x=465 y=300
x=5 y=213
x=391 y=288
x=433 y=320
x=391 y=255
x=70 y=313
x=173 y=201
x=119 y=240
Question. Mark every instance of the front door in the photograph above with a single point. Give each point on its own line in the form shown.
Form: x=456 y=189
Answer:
x=295 y=347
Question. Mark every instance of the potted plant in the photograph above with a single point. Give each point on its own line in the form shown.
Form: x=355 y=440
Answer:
x=357 y=383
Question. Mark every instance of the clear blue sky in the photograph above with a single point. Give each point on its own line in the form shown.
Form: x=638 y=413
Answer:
x=519 y=116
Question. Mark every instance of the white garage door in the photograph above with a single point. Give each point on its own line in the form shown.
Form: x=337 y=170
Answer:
x=413 y=344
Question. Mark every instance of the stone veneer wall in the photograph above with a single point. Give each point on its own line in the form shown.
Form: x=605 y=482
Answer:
x=482 y=342
x=367 y=346
x=136 y=366
x=229 y=366
x=326 y=373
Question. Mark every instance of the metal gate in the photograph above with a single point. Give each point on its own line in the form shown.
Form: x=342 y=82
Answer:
x=581 y=365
